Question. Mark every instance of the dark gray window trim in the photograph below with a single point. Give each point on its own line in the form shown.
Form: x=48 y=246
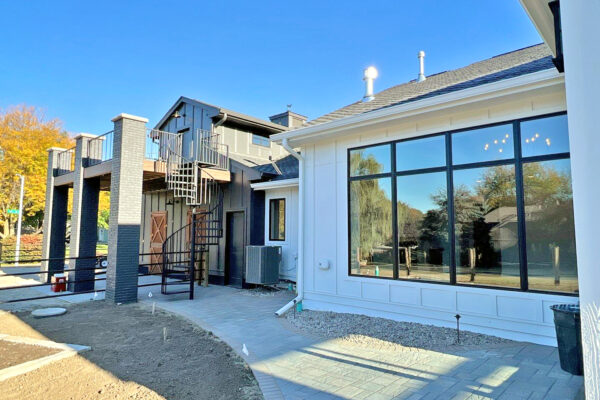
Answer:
x=517 y=162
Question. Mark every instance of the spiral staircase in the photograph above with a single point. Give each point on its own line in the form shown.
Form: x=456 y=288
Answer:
x=195 y=178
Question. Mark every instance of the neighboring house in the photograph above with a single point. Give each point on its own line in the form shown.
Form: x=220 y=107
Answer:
x=444 y=196
x=246 y=141
x=198 y=163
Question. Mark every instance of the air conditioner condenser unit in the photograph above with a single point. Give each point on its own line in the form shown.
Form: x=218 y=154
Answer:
x=262 y=264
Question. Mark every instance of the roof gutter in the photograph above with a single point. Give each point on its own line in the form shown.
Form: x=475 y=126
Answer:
x=279 y=184
x=300 y=266
x=517 y=85
x=219 y=122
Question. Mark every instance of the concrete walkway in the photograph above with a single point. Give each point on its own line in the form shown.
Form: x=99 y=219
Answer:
x=292 y=365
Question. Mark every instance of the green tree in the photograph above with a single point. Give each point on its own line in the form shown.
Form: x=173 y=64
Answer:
x=371 y=209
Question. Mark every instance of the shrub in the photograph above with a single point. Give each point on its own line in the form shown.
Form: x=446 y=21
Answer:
x=31 y=247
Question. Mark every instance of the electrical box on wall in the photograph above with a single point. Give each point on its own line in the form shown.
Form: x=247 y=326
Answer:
x=323 y=265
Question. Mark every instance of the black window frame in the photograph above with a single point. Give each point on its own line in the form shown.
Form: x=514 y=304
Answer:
x=271 y=202
x=517 y=161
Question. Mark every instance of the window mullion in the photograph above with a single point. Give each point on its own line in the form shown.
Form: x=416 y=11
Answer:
x=394 y=214
x=520 y=206
x=450 y=209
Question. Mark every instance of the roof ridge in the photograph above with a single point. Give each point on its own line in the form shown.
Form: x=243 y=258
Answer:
x=456 y=70
x=437 y=83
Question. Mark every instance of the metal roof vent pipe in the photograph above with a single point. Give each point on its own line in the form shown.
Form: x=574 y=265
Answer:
x=370 y=75
x=421 y=56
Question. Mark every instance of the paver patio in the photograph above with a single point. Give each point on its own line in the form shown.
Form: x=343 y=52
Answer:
x=293 y=365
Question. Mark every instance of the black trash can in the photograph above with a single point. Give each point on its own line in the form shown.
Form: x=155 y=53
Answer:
x=567 y=321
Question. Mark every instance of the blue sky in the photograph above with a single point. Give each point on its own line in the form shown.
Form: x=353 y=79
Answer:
x=84 y=62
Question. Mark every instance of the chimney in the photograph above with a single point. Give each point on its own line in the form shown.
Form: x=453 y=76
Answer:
x=369 y=76
x=289 y=119
x=421 y=57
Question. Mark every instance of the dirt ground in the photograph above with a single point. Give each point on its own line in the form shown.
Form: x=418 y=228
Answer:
x=129 y=358
x=12 y=354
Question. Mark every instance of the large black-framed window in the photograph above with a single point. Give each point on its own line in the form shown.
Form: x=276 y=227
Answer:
x=277 y=219
x=488 y=206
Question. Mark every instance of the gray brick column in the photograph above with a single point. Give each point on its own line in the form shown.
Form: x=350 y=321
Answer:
x=84 y=220
x=55 y=219
x=125 y=208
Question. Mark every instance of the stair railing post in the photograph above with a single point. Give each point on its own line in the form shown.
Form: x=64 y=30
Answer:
x=192 y=254
x=163 y=271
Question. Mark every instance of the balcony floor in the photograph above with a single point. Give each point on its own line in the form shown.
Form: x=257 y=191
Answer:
x=153 y=175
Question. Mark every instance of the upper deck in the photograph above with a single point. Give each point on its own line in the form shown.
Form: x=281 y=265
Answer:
x=98 y=157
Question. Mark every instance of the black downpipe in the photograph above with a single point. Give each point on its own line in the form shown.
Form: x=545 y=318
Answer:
x=192 y=255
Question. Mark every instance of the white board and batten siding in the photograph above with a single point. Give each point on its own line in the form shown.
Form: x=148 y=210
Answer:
x=289 y=246
x=511 y=314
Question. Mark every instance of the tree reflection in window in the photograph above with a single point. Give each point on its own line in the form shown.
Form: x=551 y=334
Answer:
x=550 y=229
x=486 y=226
x=370 y=160
x=423 y=227
x=370 y=217
x=487 y=231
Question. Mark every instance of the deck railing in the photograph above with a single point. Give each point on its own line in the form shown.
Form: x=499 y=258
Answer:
x=100 y=149
x=65 y=162
x=207 y=149
x=156 y=144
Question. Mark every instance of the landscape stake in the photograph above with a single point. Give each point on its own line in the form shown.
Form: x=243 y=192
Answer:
x=457 y=316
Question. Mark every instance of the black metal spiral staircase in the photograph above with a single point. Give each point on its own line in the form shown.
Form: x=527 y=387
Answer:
x=185 y=251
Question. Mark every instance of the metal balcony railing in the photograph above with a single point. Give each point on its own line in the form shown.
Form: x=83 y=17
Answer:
x=157 y=143
x=207 y=149
x=65 y=162
x=100 y=149
x=200 y=146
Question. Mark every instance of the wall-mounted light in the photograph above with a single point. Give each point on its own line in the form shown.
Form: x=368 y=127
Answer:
x=176 y=114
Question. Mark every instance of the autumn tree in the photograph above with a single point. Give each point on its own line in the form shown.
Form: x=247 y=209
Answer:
x=25 y=137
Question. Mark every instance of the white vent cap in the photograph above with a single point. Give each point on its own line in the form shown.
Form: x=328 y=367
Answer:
x=370 y=74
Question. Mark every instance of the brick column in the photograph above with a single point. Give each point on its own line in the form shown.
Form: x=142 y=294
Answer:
x=55 y=219
x=84 y=220
x=125 y=208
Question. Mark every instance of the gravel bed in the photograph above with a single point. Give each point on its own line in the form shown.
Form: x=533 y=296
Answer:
x=380 y=332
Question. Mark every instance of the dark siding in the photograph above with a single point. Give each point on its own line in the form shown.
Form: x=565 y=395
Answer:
x=194 y=117
x=239 y=196
x=257 y=218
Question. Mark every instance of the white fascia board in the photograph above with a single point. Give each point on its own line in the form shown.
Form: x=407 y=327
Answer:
x=540 y=15
x=284 y=183
x=506 y=87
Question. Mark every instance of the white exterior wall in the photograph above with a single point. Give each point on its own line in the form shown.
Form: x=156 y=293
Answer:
x=511 y=314
x=289 y=246
x=580 y=42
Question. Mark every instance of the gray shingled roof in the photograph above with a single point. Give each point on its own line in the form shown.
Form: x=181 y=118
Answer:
x=288 y=166
x=520 y=62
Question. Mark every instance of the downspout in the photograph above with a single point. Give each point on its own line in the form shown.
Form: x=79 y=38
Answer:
x=219 y=123
x=220 y=140
x=300 y=266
